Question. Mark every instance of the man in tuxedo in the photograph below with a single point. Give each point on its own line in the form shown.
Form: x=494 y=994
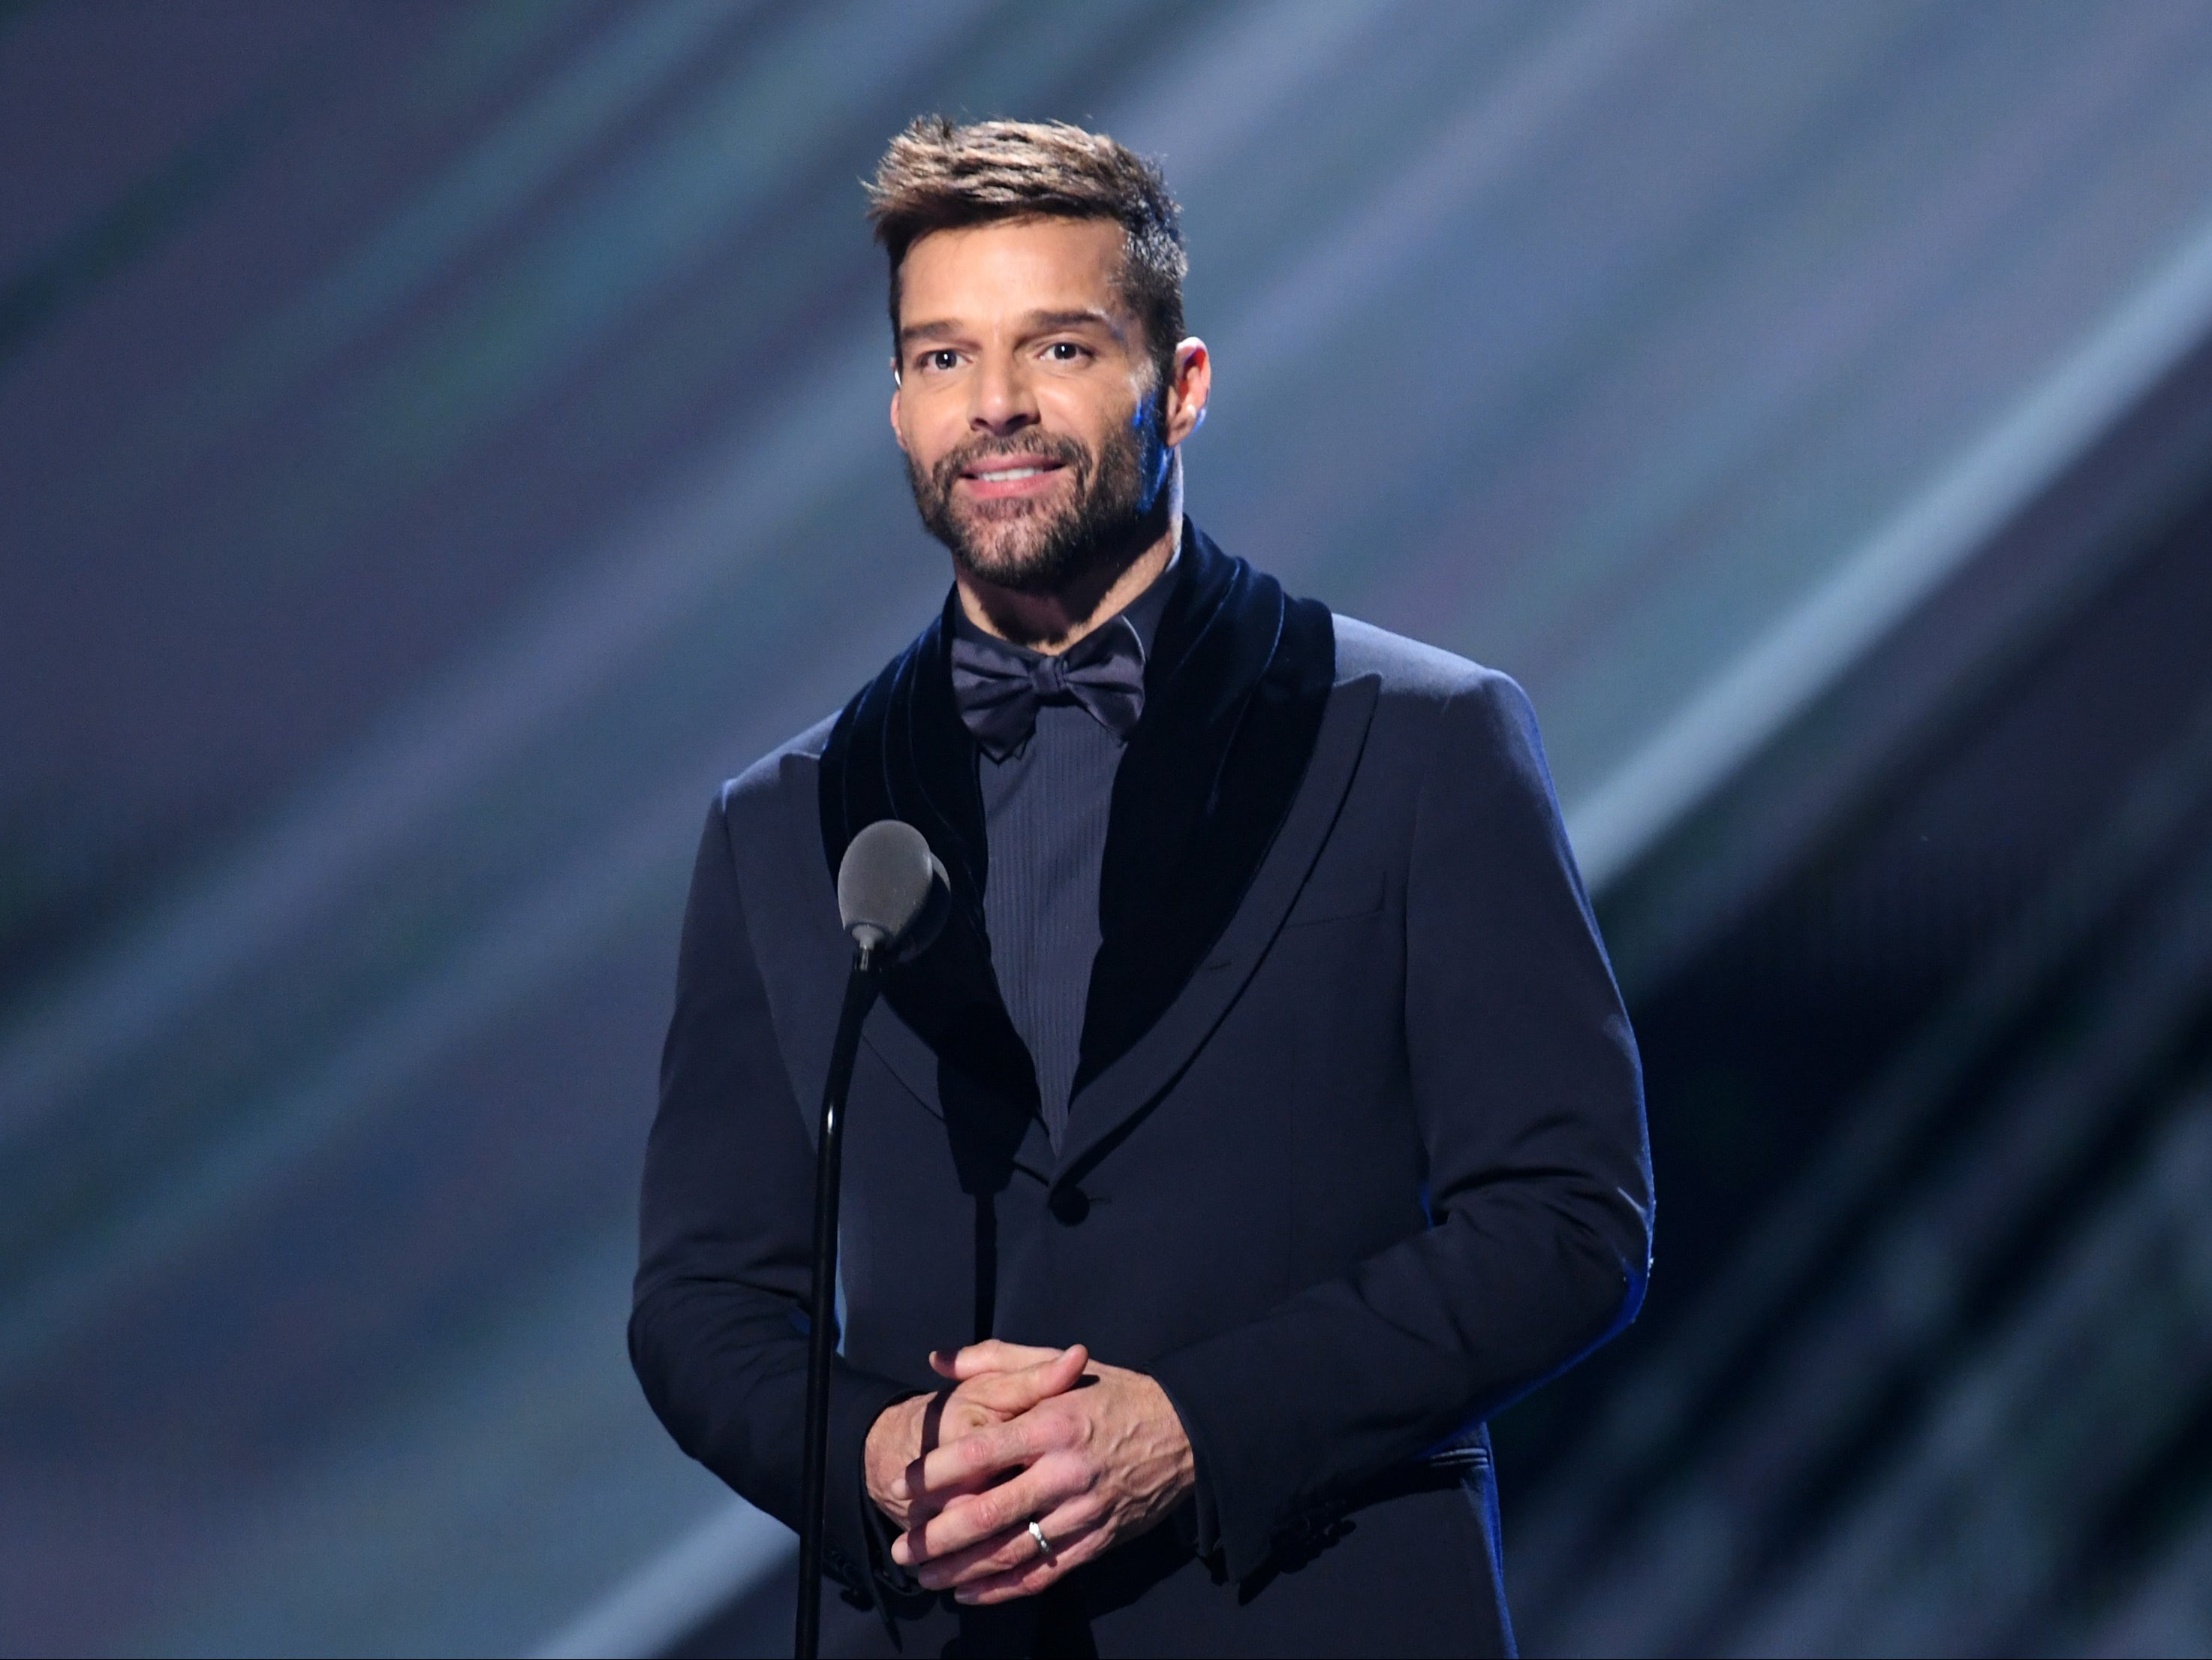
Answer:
x=1264 y=1116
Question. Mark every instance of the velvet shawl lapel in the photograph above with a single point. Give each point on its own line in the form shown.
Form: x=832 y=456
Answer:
x=900 y=751
x=1235 y=689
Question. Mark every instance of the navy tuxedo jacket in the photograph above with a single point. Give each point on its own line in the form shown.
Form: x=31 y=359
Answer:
x=1356 y=1154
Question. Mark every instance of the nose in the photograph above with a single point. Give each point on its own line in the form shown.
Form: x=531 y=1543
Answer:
x=1004 y=400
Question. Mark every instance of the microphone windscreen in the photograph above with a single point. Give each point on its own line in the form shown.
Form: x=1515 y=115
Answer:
x=891 y=890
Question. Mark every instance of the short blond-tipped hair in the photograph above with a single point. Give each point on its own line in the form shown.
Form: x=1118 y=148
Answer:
x=937 y=175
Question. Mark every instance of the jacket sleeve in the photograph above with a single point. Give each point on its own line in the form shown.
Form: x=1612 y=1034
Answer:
x=718 y=1322
x=1525 y=1081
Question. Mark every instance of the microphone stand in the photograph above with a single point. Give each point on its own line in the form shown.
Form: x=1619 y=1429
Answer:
x=861 y=986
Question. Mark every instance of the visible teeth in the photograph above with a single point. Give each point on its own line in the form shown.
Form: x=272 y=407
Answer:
x=1009 y=473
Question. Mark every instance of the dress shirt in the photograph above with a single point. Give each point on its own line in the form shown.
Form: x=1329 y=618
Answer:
x=1045 y=807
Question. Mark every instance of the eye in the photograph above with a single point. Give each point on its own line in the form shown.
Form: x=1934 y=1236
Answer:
x=943 y=358
x=1065 y=351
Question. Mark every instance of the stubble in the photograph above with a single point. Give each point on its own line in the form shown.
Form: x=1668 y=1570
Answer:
x=1038 y=548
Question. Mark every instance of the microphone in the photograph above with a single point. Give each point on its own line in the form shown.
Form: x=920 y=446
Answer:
x=893 y=897
x=891 y=890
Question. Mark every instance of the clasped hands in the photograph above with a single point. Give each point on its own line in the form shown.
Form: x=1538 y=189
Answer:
x=1091 y=1454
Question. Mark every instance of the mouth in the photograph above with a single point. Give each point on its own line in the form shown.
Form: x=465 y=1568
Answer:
x=1000 y=477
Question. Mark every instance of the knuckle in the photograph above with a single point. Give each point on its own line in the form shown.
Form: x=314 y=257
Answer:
x=987 y=1451
x=1070 y=1473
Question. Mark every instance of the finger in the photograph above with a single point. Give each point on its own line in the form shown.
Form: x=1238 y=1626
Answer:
x=990 y=1355
x=1015 y=1550
x=942 y=1543
x=923 y=1500
x=1000 y=1552
x=915 y=1545
x=1033 y=1576
x=969 y=1460
x=972 y=1518
x=932 y=1421
x=960 y=1464
x=926 y=1502
x=1014 y=1392
x=910 y=1549
x=1012 y=1552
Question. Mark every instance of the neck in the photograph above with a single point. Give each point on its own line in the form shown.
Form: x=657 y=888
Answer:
x=1051 y=622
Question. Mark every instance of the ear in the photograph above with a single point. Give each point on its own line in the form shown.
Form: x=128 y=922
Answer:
x=1187 y=393
x=896 y=432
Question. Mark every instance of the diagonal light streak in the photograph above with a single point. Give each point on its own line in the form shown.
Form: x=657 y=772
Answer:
x=1929 y=539
x=494 y=184
x=1489 y=142
x=647 y=576
x=276 y=885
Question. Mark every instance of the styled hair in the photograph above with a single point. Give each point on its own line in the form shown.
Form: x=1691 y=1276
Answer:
x=939 y=176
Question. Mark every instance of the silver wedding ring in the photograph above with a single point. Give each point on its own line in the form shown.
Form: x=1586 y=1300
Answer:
x=1044 y=1545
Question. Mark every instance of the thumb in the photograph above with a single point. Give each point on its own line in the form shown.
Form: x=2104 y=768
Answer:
x=988 y=1356
x=1058 y=1376
x=1013 y=1393
x=1055 y=1376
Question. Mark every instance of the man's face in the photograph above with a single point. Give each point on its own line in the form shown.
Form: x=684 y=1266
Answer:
x=1034 y=435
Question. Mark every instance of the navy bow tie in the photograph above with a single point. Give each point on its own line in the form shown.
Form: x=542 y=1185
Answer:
x=999 y=686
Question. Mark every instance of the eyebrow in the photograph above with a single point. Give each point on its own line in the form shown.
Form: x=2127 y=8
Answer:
x=1036 y=322
x=1044 y=321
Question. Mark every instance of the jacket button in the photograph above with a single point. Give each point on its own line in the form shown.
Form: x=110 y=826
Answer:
x=1069 y=1205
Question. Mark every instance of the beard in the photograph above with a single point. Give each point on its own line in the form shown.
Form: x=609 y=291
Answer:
x=1033 y=547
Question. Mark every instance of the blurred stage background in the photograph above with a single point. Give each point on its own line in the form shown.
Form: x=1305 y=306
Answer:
x=437 y=442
